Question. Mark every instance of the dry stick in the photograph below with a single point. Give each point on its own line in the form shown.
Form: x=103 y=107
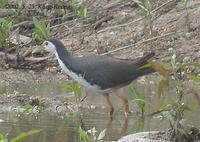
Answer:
x=64 y=23
x=102 y=20
x=61 y=24
x=121 y=25
x=128 y=46
x=151 y=39
x=137 y=20
x=24 y=23
x=114 y=4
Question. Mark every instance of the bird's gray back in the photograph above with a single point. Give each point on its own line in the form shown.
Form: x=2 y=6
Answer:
x=106 y=72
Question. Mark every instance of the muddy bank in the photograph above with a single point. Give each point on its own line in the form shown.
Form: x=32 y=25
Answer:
x=121 y=25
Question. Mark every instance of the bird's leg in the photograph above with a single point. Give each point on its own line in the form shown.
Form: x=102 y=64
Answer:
x=125 y=102
x=110 y=106
x=124 y=127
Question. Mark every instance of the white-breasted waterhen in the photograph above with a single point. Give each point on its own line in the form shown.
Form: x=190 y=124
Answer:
x=102 y=74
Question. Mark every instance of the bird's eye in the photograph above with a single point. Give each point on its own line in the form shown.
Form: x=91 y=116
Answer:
x=46 y=43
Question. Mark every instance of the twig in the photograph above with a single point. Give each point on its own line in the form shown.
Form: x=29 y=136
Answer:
x=156 y=9
x=102 y=20
x=38 y=59
x=121 y=25
x=114 y=4
x=145 y=41
x=137 y=20
x=13 y=57
x=24 y=23
x=64 y=23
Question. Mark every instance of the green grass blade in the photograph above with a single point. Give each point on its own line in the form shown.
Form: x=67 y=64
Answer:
x=24 y=135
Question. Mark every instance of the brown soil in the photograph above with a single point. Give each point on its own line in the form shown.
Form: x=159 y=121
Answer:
x=114 y=24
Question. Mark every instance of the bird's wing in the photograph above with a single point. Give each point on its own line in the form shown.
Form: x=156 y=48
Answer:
x=106 y=72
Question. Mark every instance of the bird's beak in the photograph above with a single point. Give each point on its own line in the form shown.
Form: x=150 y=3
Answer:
x=42 y=45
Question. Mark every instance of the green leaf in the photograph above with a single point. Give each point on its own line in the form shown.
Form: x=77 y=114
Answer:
x=2 y=138
x=143 y=9
x=5 y=26
x=4 y=3
x=102 y=135
x=74 y=4
x=185 y=2
x=36 y=22
x=72 y=87
x=181 y=66
x=83 y=135
x=27 y=106
x=168 y=115
x=138 y=97
x=195 y=78
x=24 y=135
x=41 y=29
x=82 y=12
x=134 y=92
x=141 y=104
x=182 y=131
x=173 y=61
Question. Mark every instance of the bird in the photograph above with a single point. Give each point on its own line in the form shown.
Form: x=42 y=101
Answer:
x=100 y=74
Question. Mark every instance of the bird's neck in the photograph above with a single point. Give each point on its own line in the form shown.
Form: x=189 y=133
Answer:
x=62 y=53
x=63 y=56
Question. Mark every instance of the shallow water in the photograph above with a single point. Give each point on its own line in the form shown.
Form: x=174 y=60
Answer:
x=58 y=127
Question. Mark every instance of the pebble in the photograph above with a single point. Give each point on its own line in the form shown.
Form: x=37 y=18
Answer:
x=170 y=49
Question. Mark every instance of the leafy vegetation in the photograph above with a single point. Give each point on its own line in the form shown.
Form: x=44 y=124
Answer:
x=78 y=9
x=174 y=111
x=72 y=87
x=139 y=97
x=90 y=135
x=20 y=137
x=76 y=90
x=5 y=26
x=41 y=29
x=28 y=109
x=4 y=3
x=144 y=7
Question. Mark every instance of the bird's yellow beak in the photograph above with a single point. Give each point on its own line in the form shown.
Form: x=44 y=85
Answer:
x=43 y=45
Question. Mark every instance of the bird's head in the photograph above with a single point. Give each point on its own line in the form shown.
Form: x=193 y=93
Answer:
x=53 y=45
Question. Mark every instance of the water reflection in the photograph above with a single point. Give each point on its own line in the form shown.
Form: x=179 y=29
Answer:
x=58 y=127
x=54 y=128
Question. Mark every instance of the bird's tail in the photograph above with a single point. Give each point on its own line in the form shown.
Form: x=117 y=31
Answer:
x=144 y=60
x=143 y=67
